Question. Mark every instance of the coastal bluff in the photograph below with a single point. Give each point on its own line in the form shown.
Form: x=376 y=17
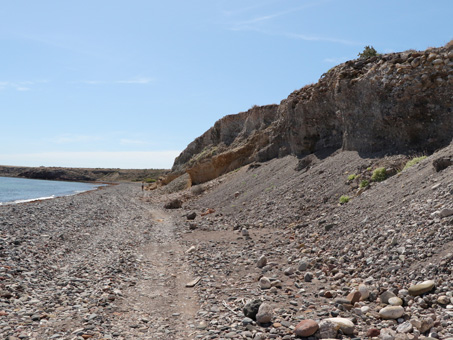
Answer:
x=391 y=103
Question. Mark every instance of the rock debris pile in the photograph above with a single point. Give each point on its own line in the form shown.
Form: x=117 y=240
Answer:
x=379 y=266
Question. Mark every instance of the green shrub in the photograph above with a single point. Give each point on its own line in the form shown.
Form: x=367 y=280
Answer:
x=379 y=175
x=413 y=161
x=364 y=183
x=149 y=180
x=368 y=52
x=344 y=199
x=352 y=177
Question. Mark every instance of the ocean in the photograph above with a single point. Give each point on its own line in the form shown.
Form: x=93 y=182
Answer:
x=20 y=190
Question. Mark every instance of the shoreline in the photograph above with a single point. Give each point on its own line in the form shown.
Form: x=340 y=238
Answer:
x=95 y=186
x=81 y=174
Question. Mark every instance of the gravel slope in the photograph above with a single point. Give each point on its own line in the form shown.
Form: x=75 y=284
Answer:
x=395 y=234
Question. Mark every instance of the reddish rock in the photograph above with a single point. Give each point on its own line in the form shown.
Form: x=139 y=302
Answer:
x=328 y=295
x=306 y=328
x=373 y=332
x=354 y=297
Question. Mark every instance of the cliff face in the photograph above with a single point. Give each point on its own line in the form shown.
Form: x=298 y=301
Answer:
x=232 y=142
x=397 y=102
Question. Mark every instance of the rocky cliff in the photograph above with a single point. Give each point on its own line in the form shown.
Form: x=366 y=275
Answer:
x=399 y=102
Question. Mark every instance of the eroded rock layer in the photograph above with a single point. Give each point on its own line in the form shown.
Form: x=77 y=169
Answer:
x=396 y=102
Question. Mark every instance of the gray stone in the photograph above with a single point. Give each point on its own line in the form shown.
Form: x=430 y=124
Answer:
x=262 y=261
x=265 y=283
x=327 y=329
x=289 y=271
x=445 y=212
x=265 y=314
x=191 y=216
x=173 y=204
x=308 y=277
x=246 y=321
x=426 y=325
x=247 y=334
x=303 y=265
x=385 y=296
x=405 y=327
x=251 y=309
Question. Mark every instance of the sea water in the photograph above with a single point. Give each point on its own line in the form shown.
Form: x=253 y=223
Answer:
x=19 y=190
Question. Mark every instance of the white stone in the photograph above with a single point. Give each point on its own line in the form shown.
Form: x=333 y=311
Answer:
x=346 y=325
x=395 y=301
x=391 y=312
x=364 y=291
x=265 y=283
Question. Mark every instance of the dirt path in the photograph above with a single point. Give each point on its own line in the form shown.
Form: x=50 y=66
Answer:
x=101 y=265
x=158 y=305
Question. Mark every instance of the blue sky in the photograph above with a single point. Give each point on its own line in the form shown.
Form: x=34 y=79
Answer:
x=128 y=84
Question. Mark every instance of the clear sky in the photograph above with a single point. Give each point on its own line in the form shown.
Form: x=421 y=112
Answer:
x=128 y=84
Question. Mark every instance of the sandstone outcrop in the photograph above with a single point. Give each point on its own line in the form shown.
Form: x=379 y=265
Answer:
x=399 y=102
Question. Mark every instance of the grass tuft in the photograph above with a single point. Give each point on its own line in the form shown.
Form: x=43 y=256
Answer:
x=413 y=161
x=379 y=175
x=344 y=199
x=364 y=183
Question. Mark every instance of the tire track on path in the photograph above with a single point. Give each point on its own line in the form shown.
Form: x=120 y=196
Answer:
x=159 y=306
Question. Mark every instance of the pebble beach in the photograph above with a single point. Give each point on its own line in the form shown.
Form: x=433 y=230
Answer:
x=115 y=264
x=65 y=264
